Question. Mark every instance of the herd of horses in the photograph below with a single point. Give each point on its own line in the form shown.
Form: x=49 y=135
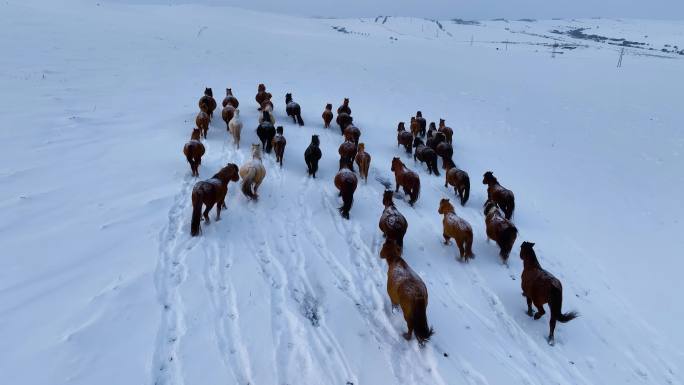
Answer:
x=428 y=144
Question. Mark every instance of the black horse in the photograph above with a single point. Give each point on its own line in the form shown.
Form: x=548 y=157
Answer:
x=266 y=132
x=312 y=155
x=425 y=154
x=293 y=109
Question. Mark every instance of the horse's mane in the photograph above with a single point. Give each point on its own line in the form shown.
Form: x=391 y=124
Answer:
x=530 y=257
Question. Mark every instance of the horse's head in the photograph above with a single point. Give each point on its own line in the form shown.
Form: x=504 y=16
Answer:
x=328 y=106
x=419 y=114
x=236 y=113
x=279 y=130
x=490 y=206
x=401 y=127
x=441 y=122
x=315 y=141
x=387 y=198
x=288 y=98
x=488 y=178
x=390 y=250
x=267 y=115
x=256 y=151
x=361 y=147
x=445 y=206
x=527 y=254
x=418 y=142
x=261 y=87
x=196 y=133
x=346 y=102
x=396 y=164
x=208 y=92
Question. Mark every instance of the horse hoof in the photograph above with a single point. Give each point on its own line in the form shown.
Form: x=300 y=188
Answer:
x=407 y=336
x=551 y=341
x=529 y=313
x=538 y=315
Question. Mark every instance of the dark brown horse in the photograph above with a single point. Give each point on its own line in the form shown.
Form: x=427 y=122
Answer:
x=266 y=132
x=327 y=115
x=434 y=140
x=457 y=228
x=363 y=160
x=499 y=229
x=422 y=122
x=347 y=153
x=447 y=131
x=425 y=154
x=312 y=155
x=406 y=289
x=444 y=151
x=459 y=179
x=202 y=121
x=432 y=130
x=503 y=197
x=209 y=193
x=343 y=120
x=293 y=109
x=230 y=99
x=227 y=114
x=540 y=287
x=392 y=223
x=193 y=150
x=407 y=179
x=353 y=133
x=404 y=138
x=262 y=96
x=207 y=103
x=346 y=182
x=279 y=143
x=344 y=108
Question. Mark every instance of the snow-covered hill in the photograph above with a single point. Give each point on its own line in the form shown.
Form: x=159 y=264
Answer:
x=100 y=281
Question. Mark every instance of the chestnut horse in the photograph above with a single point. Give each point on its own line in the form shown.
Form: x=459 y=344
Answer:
x=363 y=160
x=407 y=179
x=392 y=223
x=457 y=228
x=235 y=127
x=347 y=153
x=503 y=197
x=262 y=96
x=230 y=99
x=404 y=138
x=343 y=120
x=346 y=182
x=327 y=115
x=293 y=109
x=344 y=108
x=279 y=143
x=415 y=127
x=406 y=289
x=499 y=229
x=207 y=103
x=312 y=155
x=353 y=133
x=459 y=179
x=540 y=287
x=425 y=154
x=193 y=150
x=202 y=121
x=447 y=131
x=211 y=192
x=266 y=132
x=422 y=122
x=252 y=173
x=227 y=114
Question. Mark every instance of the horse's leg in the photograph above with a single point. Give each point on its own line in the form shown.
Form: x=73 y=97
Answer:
x=461 y=249
x=552 y=328
x=207 y=210
x=396 y=182
x=530 y=312
x=540 y=310
x=446 y=238
x=409 y=323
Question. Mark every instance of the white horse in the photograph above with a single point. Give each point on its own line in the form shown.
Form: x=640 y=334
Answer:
x=252 y=173
x=235 y=127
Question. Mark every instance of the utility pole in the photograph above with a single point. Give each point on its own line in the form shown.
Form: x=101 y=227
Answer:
x=622 y=53
x=471 y=40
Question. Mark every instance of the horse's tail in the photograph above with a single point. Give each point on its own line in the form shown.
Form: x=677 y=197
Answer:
x=506 y=241
x=300 y=121
x=196 y=213
x=415 y=193
x=469 y=248
x=421 y=329
x=555 y=303
x=510 y=206
x=465 y=194
x=247 y=181
x=189 y=157
x=347 y=199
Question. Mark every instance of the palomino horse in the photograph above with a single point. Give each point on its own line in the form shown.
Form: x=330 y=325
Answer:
x=392 y=223
x=347 y=153
x=227 y=114
x=262 y=96
x=407 y=179
x=327 y=115
x=211 y=192
x=425 y=154
x=343 y=120
x=266 y=132
x=344 y=108
x=353 y=133
x=202 y=121
x=363 y=160
x=502 y=196
x=279 y=143
x=447 y=131
x=540 y=287
x=230 y=99
x=207 y=103
x=404 y=138
x=499 y=229
x=346 y=182
x=235 y=127
x=252 y=174
x=457 y=228
x=293 y=109
x=422 y=122
x=459 y=179
x=415 y=127
x=312 y=155
x=406 y=289
x=193 y=150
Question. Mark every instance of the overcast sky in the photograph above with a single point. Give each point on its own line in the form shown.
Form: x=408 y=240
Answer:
x=472 y=9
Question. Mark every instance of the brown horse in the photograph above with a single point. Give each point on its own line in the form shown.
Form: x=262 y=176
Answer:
x=459 y=179
x=207 y=103
x=434 y=140
x=209 y=193
x=227 y=114
x=503 y=197
x=422 y=122
x=202 y=121
x=425 y=154
x=363 y=160
x=262 y=96
x=346 y=182
x=279 y=143
x=343 y=120
x=448 y=132
x=353 y=133
x=406 y=289
x=392 y=223
x=407 y=179
x=293 y=109
x=404 y=138
x=540 y=287
x=193 y=150
x=327 y=115
x=415 y=127
x=445 y=151
x=347 y=153
x=457 y=228
x=344 y=108
x=499 y=229
x=230 y=99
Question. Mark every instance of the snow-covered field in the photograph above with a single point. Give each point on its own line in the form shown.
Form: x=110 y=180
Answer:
x=100 y=282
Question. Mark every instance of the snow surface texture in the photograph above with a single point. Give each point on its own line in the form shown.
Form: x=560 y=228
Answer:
x=100 y=282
